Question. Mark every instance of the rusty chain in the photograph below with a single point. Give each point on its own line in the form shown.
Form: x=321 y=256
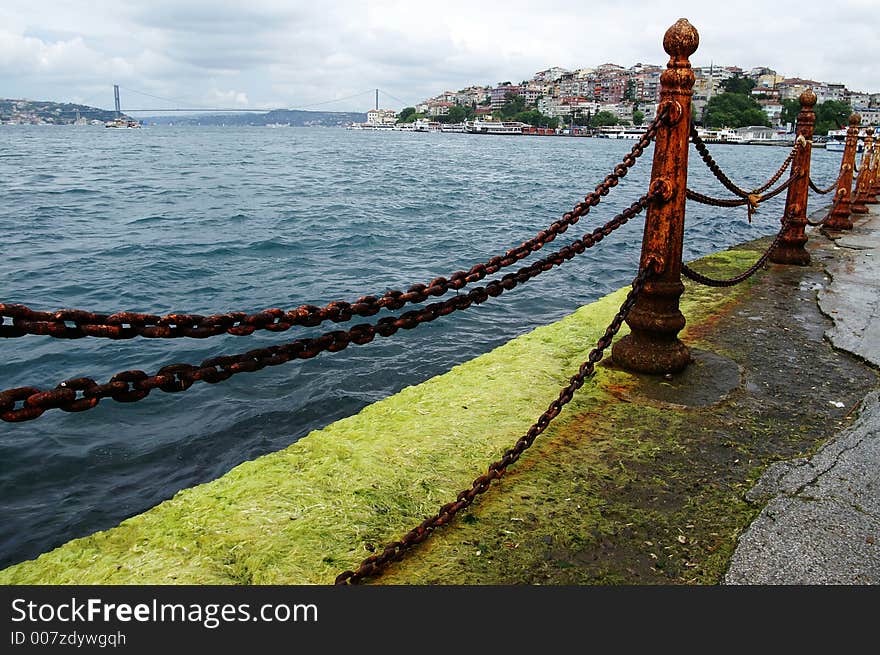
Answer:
x=713 y=166
x=84 y=393
x=752 y=201
x=394 y=551
x=822 y=192
x=691 y=274
x=77 y=323
x=838 y=197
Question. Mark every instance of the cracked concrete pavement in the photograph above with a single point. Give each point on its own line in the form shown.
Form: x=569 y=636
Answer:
x=821 y=522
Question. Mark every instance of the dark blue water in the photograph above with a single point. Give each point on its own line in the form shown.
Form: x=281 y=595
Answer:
x=208 y=220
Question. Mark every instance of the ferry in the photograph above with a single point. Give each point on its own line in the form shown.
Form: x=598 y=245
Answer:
x=721 y=135
x=424 y=125
x=493 y=127
x=369 y=126
x=836 y=141
x=124 y=123
x=619 y=132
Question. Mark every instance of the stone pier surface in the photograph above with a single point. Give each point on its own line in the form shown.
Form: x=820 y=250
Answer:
x=821 y=523
x=640 y=480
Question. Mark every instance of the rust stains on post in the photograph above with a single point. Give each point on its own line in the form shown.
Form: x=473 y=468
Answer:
x=791 y=247
x=653 y=345
x=871 y=187
x=839 y=218
x=860 y=196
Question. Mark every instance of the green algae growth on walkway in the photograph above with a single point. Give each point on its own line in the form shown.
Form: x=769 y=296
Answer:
x=304 y=514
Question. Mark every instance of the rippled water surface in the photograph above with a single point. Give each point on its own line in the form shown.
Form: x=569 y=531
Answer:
x=208 y=220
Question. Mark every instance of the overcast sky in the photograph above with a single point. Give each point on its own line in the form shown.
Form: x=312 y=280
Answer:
x=314 y=54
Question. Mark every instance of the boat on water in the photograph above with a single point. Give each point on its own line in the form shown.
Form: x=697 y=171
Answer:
x=836 y=141
x=123 y=123
x=620 y=132
x=720 y=135
x=371 y=126
x=424 y=125
x=493 y=127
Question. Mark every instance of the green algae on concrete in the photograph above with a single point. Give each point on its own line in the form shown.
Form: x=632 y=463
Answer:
x=301 y=515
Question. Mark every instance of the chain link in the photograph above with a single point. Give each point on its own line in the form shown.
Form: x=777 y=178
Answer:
x=700 y=145
x=822 y=192
x=752 y=202
x=130 y=386
x=394 y=551
x=77 y=323
x=838 y=198
x=690 y=273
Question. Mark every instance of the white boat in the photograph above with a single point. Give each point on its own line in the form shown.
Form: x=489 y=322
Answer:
x=424 y=125
x=720 y=135
x=619 y=132
x=370 y=126
x=836 y=141
x=493 y=127
x=124 y=123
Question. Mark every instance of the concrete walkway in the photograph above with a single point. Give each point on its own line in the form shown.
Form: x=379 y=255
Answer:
x=821 y=524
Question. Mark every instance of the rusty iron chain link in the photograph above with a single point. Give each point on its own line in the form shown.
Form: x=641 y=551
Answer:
x=752 y=202
x=131 y=386
x=838 y=197
x=394 y=551
x=77 y=323
x=713 y=166
x=691 y=274
x=822 y=192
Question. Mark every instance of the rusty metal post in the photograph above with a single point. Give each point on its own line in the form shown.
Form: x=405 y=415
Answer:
x=860 y=195
x=839 y=218
x=871 y=190
x=653 y=345
x=875 y=160
x=791 y=247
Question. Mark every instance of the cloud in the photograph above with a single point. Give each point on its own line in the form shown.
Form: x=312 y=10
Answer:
x=302 y=53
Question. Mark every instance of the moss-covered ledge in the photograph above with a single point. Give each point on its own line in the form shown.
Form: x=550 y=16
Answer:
x=302 y=515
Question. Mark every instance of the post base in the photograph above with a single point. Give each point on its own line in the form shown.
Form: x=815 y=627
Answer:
x=790 y=254
x=859 y=208
x=839 y=223
x=642 y=352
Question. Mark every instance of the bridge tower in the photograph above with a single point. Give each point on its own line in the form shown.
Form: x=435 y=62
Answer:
x=116 y=100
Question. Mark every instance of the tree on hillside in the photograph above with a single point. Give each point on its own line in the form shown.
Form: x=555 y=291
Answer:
x=405 y=113
x=790 y=109
x=603 y=118
x=513 y=105
x=457 y=114
x=734 y=110
x=831 y=115
x=536 y=118
x=738 y=84
x=638 y=117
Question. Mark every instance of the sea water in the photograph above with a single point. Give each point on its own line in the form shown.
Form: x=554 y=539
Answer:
x=210 y=219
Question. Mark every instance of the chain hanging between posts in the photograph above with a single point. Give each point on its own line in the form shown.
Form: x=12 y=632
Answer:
x=751 y=202
x=700 y=145
x=375 y=564
x=77 y=323
x=838 y=198
x=691 y=274
x=822 y=192
x=82 y=394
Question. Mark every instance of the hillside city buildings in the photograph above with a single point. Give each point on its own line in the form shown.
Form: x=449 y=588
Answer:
x=577 y=95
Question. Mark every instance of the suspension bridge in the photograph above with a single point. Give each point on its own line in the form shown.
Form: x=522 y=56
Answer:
x=184 y=106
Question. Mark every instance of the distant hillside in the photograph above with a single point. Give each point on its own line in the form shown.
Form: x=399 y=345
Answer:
x=293 y=117
x=46 y=112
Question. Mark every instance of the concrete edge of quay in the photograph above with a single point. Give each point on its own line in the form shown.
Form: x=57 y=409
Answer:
x=640 y=481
